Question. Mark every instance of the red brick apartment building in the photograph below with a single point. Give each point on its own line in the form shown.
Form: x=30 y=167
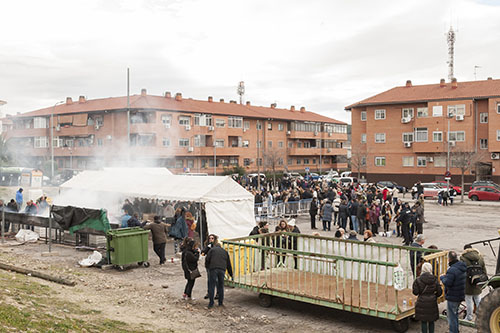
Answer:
x=403 y=133
x=178 y=133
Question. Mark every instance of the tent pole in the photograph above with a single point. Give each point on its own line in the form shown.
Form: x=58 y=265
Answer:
x=3 y=223
x=201 y=227
x=50 y=229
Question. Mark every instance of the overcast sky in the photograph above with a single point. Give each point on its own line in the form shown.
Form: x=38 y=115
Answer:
x=323 y=55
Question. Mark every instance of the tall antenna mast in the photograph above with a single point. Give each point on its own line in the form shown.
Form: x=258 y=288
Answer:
x=475 y=72
x=451 y=52
x=241 y=90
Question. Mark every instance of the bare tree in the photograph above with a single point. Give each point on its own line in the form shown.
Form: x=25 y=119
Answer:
x=465 y=160
x=359 y=155
x=273 y=158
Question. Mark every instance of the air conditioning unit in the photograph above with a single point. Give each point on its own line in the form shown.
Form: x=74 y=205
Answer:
x=329 y=150
x=167 y=125
x=58 y=128
x=245 y=129
x=210 y=128
x=316 y=133
x=288 y=133
x=495 y=156
x=452 y=143
x=97 y=127
x=188 y=127
x=430 y=159
x=329 y=134
x=407 y=144
x=190 y=149
x=459 y=117
x=405 y=120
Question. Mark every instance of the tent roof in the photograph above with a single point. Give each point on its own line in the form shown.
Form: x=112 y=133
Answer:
x=157 y=186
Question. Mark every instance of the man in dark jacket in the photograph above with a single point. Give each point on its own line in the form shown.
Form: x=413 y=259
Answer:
x=313 y=211
x=217 y=262
x=416 y=256
x=454 y=284
x=361 y=217
x=405 y=220
x=134 y=221
x=159 y=232
x=471 y=257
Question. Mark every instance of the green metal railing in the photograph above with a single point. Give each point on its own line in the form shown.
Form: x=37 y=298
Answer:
x=349 y=275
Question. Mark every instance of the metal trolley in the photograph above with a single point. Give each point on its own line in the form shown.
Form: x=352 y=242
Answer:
x=347 y=275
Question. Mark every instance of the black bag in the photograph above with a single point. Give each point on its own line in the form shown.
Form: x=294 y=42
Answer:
x=476 y=274
x=194 y=274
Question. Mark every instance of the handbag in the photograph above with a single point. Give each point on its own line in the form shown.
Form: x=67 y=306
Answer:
x=194 y=274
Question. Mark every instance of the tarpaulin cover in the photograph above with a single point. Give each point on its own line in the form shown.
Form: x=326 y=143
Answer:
x=76 y=218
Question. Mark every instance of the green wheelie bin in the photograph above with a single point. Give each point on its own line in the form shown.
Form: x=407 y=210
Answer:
x=126 y=246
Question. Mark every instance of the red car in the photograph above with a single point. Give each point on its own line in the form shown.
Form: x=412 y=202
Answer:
x=442 y=183
x=484 y=193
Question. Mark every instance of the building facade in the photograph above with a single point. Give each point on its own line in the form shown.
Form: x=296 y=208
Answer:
x=404 y=134
x=178 y=133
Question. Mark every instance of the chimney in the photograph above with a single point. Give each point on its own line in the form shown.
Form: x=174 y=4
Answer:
x=81 y=99
x=232 y=101
x=490 y=78
x=302 y=109
x=292 y=108
x=168 y=94
x=210 y=99
x=178 y=97
x=69 y=101
x=144 y=92
x=408 y=83
x=221 y=100
x=454 y=83
x=442 y=83
x=248 y=103
x=273 y=106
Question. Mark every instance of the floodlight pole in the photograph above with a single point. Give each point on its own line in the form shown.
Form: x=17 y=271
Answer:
x=52 y=141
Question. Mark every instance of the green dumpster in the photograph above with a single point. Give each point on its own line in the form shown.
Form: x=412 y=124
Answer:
x=127 y=246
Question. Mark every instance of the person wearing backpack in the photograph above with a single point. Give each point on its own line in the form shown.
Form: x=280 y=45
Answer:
x=476 y=272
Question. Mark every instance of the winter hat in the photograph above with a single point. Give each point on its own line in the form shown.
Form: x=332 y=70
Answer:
x=291 y=222
x=427 y=268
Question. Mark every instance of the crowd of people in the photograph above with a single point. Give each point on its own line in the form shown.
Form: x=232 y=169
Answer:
x=39 y=206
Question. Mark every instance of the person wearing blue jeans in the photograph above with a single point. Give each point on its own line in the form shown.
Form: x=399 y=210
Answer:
x=454 y=284
x=217 y=262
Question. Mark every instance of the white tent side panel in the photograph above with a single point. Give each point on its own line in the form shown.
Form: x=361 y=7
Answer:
x=230 y=219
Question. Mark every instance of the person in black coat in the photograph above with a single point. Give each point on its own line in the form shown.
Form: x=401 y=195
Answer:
x=454 y=288
x=313 y=211
x=428 y=289
x=343 y=213
x=190 y=256
x=293 y=241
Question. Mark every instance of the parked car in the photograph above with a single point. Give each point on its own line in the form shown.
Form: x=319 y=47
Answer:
x=484 y=183
x=346 y=174
x=431 y=190
x=443 y=184
x=346 y=181
x=483 y=192
x=252 y=175
x=390 y=185
x=312 y=175
x=293 y=175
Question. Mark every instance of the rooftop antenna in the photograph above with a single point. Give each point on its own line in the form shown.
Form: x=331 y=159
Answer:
x=241 y=90
x=450 y=38
x=475 y=72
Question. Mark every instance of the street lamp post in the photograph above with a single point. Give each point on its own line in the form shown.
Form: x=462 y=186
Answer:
x=52 y=141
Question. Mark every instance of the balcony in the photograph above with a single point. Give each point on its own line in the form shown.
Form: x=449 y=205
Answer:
x=316 y=135
x=316 y=151
x=143 y=128
x=27 y=132
x=73 y=130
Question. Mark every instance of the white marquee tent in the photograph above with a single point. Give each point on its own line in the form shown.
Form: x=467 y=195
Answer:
x=229 y=207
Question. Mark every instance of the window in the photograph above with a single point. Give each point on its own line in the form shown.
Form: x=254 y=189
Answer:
x=456 y=110
x=379 y=161
x=269 y=144
x=363 y=161
x=421 y=134
x=281 y=127
x=307 y=144
x=179 y=163
x=202 y=119
x=498 y=108
x=246 y=162
x=306 y=161
x=259 y=125
x=184 y=120
x=299 y=144
x=437 y=111
x=40 y=122
x=437 y=136
x=408 y=161
x=220 y=123
x=183 y=142
x=246 y=125
x=56 y=142
x=483 y=143
x=498 y=135
x=166 y=142
x=190 y=164
x=483 y=117
x=299 y=161
x=166 y=120
x=314 y=161
x=269 y=126
x=379 y=137
x=99 y=120
x=422 y=112
x=100 y=142
x=280 y=161
x=408 y=137
x=363 y=138
x=280 y=144
x=259 y=144
x=290 y=144
x=407 y=113
x=200 y=141
x=456 y=136
x=245 y=144
x=41 y=142
x=421 y=161
x=289 y=161
x=219 y=143
x=363 y=115
x=440 y=161
x=306 y=126
x=234 y=122
x=379 y=114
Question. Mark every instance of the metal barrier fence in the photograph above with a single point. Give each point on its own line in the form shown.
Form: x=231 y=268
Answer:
x=282 y=209
x=367 y=278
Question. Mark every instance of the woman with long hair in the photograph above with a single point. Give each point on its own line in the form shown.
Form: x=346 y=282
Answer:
x=190 y=256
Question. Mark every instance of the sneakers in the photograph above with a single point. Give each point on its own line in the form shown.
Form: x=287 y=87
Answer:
x=191 y=299
x=206 y=296
x=185 y=297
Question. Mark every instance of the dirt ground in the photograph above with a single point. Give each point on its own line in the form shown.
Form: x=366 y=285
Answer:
x=151 y=297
